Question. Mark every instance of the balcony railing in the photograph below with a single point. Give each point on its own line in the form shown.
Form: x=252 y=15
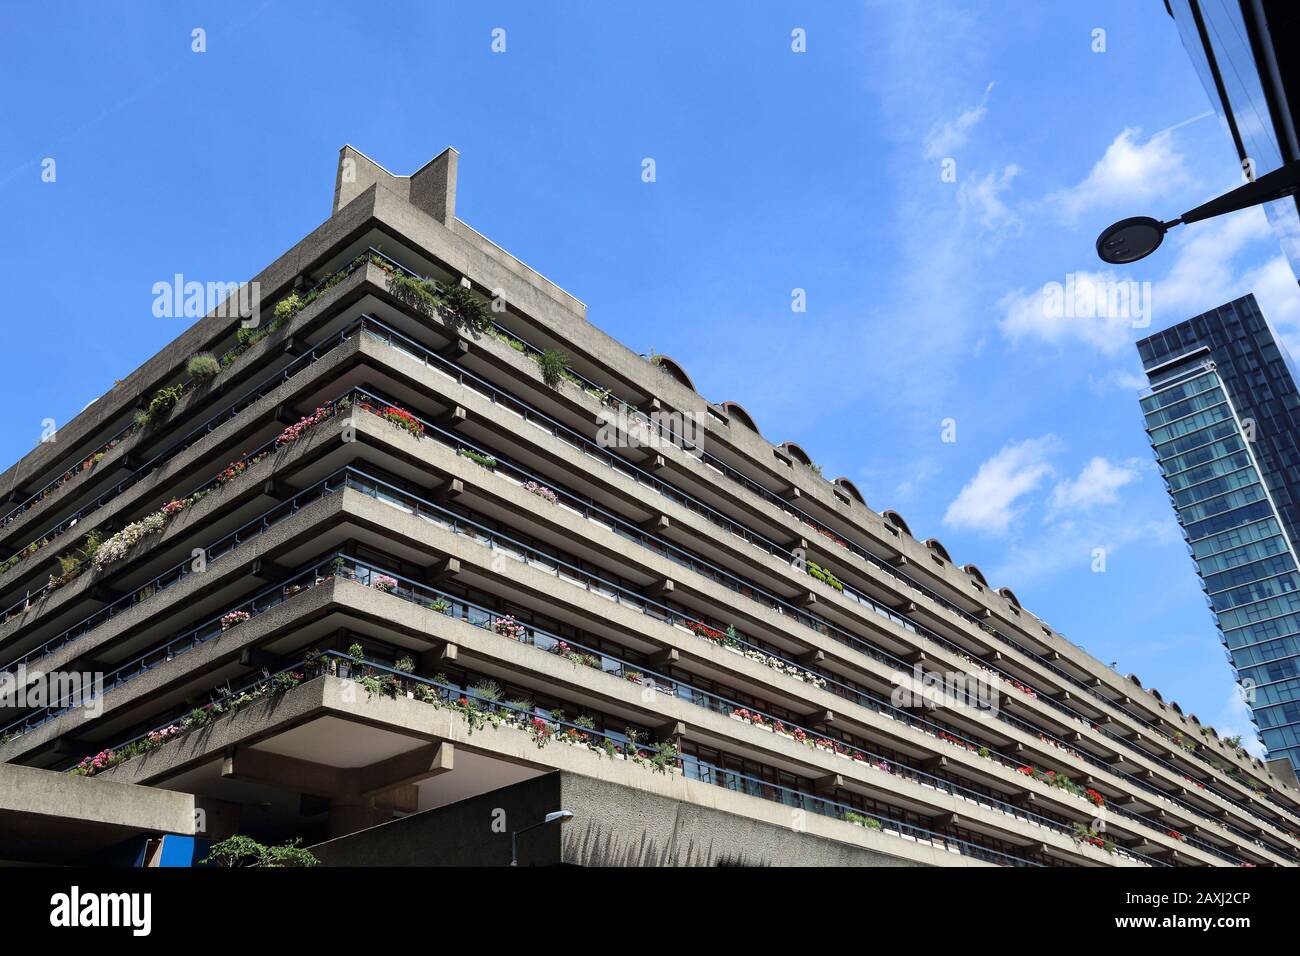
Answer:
x=394 y=339
x=466 y=699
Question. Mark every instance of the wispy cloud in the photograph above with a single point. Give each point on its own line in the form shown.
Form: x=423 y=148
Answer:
x=980 y=199
x=990 y=501
x=947 y=137
x=1106 y=325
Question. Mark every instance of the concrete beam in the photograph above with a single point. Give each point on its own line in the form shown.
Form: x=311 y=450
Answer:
x=406 y=769
x=285 y=773
x=441 y=570
x=660 y=658
x=671 y=732
x=452 y=418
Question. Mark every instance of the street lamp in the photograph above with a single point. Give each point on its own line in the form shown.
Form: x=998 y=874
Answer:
x=563 y=816
x=1136 y=238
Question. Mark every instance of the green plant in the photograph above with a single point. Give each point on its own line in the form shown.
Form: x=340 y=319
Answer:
x=240 y=851
x=584 y=723
x=665 y=759
x=204 y=367
x=423 y=294
x=69 y=567
x=487 y=461
x=405 y=664
x=821 y=574
x=862 y=820
x=487 y=690
x=554 y=364
x=163 y=401
x=463 y=308
x=288 y=307
x=357 y=653
x=90 y=546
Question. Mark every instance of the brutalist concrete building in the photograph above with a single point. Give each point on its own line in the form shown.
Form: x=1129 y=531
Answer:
x=412 y=556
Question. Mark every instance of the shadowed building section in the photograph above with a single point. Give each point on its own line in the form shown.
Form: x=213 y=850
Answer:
x=612 y=825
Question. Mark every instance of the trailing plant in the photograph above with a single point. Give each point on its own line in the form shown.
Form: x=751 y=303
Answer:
x=403 y=420
x=554 y=364
x=160 y=406
x=1086 y=834
x=487 y=461
x=463 y=308
x=666 y=758
x=862 y=820
x=424 y=295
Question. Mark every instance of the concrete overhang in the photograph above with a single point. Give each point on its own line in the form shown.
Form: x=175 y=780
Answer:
x=56 y=818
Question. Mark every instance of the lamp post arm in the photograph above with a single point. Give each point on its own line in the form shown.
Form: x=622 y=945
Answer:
x=1280 y=183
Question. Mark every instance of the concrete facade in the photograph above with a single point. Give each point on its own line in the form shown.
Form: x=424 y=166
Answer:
x=628 y=604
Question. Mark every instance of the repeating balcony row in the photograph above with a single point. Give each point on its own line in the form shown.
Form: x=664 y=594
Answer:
x=173 y=648
x=591 y=388
x=147 y=587
x=390 y=581
x=390 y=334
x=544 y=726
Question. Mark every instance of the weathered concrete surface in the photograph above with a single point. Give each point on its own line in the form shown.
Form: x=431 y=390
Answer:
x=48 y=817
x=613 y=825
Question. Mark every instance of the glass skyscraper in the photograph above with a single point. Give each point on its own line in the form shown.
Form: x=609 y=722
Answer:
x=1223 y=414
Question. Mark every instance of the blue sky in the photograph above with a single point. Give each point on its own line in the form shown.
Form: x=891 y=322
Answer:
x=775 y=170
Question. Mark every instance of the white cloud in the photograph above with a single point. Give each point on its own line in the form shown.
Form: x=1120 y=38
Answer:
x=946 y=138
x=1108 y=310
x=987 y=503
x=1121 y=378
x=980 y=199
x=1100 y=312
x=1234 y=720
x=1129 y=171
x=1097 y=484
